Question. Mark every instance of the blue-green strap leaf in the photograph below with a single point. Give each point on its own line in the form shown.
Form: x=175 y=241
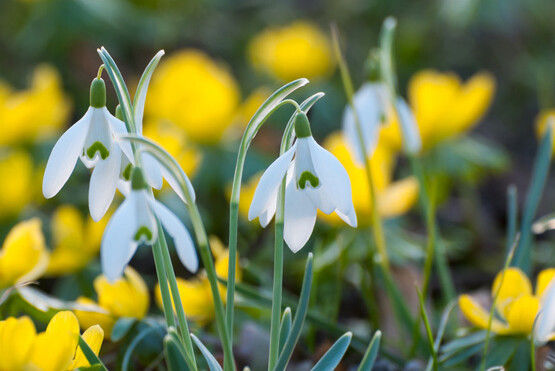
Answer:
x=371 y=353
x=300 y=316
x=333 y=356
x=175 y=358
x=142 y=88
x=285 y=327
x=210 y=359
x=91 y=357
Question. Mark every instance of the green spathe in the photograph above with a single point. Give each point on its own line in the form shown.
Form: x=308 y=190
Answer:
x=302 y=126
x=98 y=93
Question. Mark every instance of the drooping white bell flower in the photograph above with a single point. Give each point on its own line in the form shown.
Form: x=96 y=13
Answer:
x=371 y=105
x=92 y=139
x=544 y=327
x=134 y=222
x=315 y=180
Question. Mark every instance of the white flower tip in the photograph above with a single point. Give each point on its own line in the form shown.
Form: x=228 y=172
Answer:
x=192 y=264
x=47 y=190
x=160 y=53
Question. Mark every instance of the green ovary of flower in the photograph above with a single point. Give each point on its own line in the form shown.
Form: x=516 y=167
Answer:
x=97 y=147
x=307 y=176
x=127 y=172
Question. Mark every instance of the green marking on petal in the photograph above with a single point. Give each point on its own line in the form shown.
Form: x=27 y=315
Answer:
x=97 y=147
x=307 y=176
x=127 y=172
x=143 y=231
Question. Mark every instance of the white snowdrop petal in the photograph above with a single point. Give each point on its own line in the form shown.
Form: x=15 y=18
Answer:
x=267 y=214
x=544 y=328
x=144 y=215
x=64 y=155
x=118 y=128
x=152 y=171
x=181 y=237
x=175 y=184
x=299 y=217
x=333 y=175
x=269 y=183
x=99 y=131
x=117 y=245
x=103 y=184
x=321 y=198
x=409 y=127
x=349 y=218
x=369 y=108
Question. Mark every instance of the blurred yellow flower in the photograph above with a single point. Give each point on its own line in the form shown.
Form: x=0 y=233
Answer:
x=55 y=349
x=75 y=240
x=174 y=140
x=24 y=256
x=195 y=93
x=195 y=293
x=394 y=197
x=516 y=305
x=446 y=107
x=16 y=172
x=36 y=113
x=297 y=50
x=126 y=297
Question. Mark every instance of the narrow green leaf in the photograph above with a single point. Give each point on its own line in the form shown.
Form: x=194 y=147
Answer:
x=441 y=330
x=121 y=89
x=270 y=105
x=371 y=353
x=134 y=343
x=387 y=63
x=428 y=329
x=523 y=253
x=121 y=328
x=175 y=358
x=91 y=357
x=142 y=88
x=300 y=316
x=333 y=356
x=285 y=327
x=210 y=359
x=512 y=216
x=464 y=342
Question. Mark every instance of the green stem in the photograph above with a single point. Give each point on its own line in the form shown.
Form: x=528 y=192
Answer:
x=183 y=326
x=164 y=288
x=532 y=353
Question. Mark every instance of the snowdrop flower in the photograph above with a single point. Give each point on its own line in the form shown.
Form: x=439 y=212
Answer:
x=371 y=105
x=92 y=139
x=134 y=222
x=315 y=180
x=544 y=328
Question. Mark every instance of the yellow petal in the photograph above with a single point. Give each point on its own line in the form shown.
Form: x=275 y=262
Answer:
x=398 y=198
x=54 y=349
x=521 y=314
x=515 y=285
x=126 y=297
x=94 y=336
x=478 y=316
x=95 y=316
x=16 y=338
x=472 y=101
x=24 y=256
x=297 y=50
x=196 y=298
x=195 y=93
x=544 y=278
x=16 y=172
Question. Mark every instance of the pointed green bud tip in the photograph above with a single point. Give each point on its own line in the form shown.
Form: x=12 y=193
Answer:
x=119 y=113
x=302 y=125
x=137 y=179
x=98 y=93
x=372 y=66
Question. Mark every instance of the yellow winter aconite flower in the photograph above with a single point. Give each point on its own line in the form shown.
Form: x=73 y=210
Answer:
x=35 y=113
x=516 y=306
x=174 y=140
x=195 y=93
x=24 y=256
x=445 y=107
x=297 y=50
x=195 y=293
x=394 y=197
x=16 y=172
x=126 y=297
x=55 y=349
x=75 y=240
